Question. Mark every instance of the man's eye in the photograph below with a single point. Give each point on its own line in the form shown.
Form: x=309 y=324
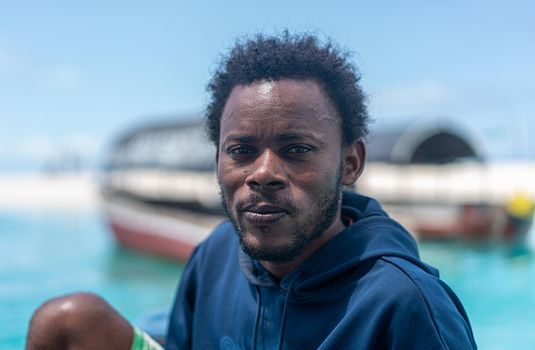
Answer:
x=240 y=150
x=298 y=149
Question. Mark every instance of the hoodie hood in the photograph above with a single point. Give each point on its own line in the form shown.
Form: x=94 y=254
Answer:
x=372 y=235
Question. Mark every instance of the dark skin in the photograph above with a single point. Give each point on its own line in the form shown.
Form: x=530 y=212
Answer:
x=81 y=321
x=281 y=144
x=281 y=141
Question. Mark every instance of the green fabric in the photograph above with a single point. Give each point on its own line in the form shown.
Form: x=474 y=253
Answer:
x=143 y=341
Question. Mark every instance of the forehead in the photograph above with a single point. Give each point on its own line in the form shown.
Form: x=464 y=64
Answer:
x=277 y=106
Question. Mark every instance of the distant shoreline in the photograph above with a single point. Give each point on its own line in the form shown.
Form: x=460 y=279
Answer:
x=64 y=191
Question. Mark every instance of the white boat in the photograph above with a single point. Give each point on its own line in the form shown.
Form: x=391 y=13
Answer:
x=162 y=196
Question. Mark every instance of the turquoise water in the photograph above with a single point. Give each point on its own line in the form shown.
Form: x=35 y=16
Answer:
x=44 y=254
x=497 y=288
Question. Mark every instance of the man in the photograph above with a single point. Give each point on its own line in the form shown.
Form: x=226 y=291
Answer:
x=301 y=264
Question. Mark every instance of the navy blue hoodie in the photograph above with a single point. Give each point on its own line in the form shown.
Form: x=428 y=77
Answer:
x=364 y=289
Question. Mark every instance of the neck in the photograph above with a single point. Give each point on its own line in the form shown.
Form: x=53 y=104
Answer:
x=281 y=269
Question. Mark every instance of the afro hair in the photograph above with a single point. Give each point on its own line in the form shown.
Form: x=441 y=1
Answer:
x=289 y=56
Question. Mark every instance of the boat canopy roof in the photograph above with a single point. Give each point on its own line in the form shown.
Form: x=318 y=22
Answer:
x=179 y=145
x=423 y=140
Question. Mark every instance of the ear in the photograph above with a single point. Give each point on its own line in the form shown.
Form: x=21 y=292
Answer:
x=354 y=158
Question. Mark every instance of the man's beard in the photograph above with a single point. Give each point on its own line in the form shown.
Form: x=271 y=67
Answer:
x=313 y=225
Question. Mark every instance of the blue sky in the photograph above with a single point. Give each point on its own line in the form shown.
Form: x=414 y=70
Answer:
x=73 y=75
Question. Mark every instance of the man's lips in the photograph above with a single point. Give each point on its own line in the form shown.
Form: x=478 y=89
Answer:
x=263 y=214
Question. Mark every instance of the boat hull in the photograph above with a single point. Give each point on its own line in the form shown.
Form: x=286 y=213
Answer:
x=166 y=232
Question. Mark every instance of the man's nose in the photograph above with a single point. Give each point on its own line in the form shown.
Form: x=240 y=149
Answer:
x=267 y=173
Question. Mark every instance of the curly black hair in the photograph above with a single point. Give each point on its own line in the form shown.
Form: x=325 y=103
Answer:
x=295 y=57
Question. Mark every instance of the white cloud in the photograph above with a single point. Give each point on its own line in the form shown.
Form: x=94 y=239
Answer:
x=83 y=145
x=35 y=148
x=23 y=67
x=41 y=148
x=475 y=100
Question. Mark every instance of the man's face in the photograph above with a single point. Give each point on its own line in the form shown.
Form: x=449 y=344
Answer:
x=280 y=165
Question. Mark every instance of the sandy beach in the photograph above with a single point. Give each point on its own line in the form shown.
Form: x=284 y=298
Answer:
x=70 y=191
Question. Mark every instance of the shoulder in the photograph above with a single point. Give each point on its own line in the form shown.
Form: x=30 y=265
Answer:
x=407 y=276
x=420 y=281
x=419 y=302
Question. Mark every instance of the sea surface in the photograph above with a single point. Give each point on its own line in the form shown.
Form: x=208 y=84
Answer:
x=49 y=253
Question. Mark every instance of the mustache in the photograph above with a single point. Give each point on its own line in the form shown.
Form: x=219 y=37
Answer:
x=256 y=199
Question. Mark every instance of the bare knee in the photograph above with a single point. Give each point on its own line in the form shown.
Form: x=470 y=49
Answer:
x=76 y=321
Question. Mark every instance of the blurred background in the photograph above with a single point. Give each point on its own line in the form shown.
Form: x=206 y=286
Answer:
x=106 y=182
